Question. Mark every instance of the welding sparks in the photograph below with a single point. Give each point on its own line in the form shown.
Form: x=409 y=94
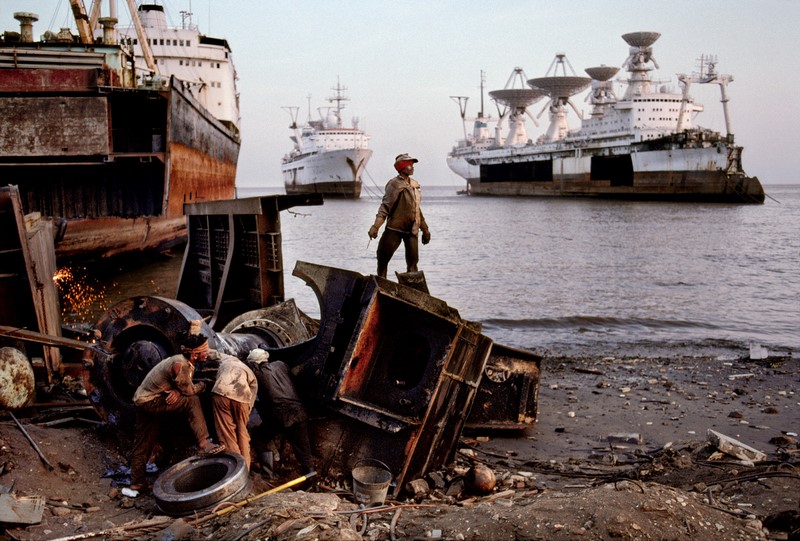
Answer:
x=82 y=297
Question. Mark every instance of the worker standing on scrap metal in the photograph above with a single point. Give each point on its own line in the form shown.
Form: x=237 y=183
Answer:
x=168 y=387
x=400 y=209
x=279 y=406
x=233 y=396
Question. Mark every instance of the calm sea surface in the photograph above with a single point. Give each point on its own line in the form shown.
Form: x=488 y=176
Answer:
x=568 y=276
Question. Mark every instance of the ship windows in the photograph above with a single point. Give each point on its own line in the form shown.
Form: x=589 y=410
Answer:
x=181 y=42
x=188 y=43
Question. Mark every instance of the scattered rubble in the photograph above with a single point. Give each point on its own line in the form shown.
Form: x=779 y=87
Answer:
x=571 y=484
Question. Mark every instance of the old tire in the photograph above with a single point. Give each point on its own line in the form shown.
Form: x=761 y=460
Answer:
x=198 y=483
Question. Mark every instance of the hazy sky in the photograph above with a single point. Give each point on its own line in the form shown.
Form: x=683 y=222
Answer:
x=402 y=60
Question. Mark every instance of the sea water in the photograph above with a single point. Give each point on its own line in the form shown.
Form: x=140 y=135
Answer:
x=571 y=276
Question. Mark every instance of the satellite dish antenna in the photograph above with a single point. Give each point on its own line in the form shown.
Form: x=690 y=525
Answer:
x=602 y=73
x=602 y=93
x=641 y=39
x=640 y=55
x=560 y=88
x=517 y=98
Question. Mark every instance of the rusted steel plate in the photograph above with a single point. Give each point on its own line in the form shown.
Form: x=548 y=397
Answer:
x=399 y=364
x=51 y=127
x=47 y=80
x=508 y=396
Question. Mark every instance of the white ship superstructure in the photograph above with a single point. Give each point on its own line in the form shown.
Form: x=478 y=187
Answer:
x=644 y=144
x=327 y=157
x=203 y=63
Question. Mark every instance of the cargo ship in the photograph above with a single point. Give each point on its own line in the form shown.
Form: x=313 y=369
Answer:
x=110 y=132
x=327 y=158
x=643 y=145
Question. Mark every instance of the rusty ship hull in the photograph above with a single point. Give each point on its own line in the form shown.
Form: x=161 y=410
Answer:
x=112 y=166
x=109 y=151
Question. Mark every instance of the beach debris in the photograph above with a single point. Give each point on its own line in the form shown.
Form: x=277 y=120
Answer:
x=758 y=352
x=633 y=437
x=33 y=443
x=129 y=492
x=21 y=509
x=481 y=479
x=735 y=448
x=417 y=488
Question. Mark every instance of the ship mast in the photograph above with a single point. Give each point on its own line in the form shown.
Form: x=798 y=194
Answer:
x=338 y=98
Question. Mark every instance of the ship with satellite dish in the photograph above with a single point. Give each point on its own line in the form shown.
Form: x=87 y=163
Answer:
x=327 y=158
x=643 y=145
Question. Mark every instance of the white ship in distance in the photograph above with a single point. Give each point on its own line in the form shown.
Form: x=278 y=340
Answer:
x=327 y=157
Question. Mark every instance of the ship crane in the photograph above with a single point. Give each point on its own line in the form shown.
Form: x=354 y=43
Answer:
x=81 y=21
x=479 y=129
x=462 y=108
x=293 y=112
x=708 y=74
x=147 y=52
x=85 y=24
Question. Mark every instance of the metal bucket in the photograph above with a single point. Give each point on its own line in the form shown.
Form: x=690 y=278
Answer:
x=371 y=480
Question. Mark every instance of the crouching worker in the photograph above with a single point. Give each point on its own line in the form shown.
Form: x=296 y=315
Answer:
x=279 y=406
x=168 y=388
x=232 y=396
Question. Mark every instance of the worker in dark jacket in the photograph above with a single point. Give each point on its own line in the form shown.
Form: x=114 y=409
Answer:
x=400 y=209
x=279 y=406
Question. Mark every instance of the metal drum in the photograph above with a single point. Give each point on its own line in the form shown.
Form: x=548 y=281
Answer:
x=17 y=384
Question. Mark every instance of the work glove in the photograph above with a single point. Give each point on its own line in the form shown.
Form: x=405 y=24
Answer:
x=373 y=232
x=426 y=237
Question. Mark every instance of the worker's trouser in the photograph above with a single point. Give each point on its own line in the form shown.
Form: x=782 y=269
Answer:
x=230 y=420
x=390 y=241
x=148 y=423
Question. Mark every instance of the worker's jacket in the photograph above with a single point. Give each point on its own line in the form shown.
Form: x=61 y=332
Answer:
x=400 y=207
x=236 y=381
x=172 y=373
x=277 y=395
